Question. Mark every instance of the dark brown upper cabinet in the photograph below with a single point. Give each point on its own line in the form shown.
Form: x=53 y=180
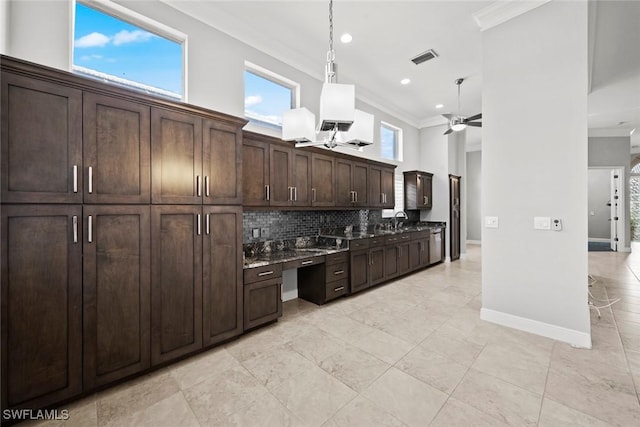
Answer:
x=352 y=183
x=381 y=187
x=176 y=155
x=255 y=172
x=116 y=146
x=418 y=190
x=116 y=259
x=222 y=164
x=41 y=313
x=290 y=172
x=323 y=172
x=41 y=141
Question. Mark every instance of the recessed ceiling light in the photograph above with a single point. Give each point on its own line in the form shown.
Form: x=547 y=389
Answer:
x=439 y=106
x=405 y=81
x=346 y=38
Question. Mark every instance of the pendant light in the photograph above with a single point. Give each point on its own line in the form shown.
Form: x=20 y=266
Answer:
x=341 y=124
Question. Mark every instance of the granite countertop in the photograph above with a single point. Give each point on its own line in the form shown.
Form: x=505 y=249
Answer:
x=409 y=228
x=279 y=256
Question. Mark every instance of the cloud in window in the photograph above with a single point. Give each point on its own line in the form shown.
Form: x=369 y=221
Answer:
x=271 y=119
x=92 y=40
x=252 y=100
x=137 y=36
x=90 y=57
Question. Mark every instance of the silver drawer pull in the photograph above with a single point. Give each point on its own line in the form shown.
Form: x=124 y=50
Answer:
x=338 y=289
x=90 y=180
x=266 y=273
x=75 y=229
x=338 y=272
x=307 y=262
x=198 y=225
x=75 y=178
x=89 y=229
x=207 y=224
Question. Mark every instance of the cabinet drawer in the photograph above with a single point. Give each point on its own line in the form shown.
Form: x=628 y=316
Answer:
x=392 y=240
x=356 y=244
x=337 y=258
x=337 y=271
x=404 y=237
x=262 y=273
x=336 y=289
x=262 y=302
x=305 y=262
x=376 y=241
x=416 y=235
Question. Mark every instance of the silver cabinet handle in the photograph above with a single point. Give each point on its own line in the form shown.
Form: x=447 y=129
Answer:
x=290 y=193
x=75 y=228
x=75 y=178
x=198 y=186
x=338 y=289
x=295 y=194
x=307 y=262
x=265 y=273
x=206 y=185
x=356 y=196
x=89 y=229
x=90 y=180
x=266 y=189
x=207 y=224
x=313 y=193
x=336 y=273
x=198 y=226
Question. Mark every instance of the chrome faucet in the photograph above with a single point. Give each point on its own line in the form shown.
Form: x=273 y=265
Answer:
x=395 y=218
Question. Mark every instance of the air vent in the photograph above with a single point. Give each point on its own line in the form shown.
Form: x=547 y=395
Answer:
x=425 y=56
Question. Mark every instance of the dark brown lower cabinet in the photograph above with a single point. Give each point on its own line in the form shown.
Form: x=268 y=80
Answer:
x=41 y=320
x=222 y=274
x=376 y=271
x=176 y=281
x=360 y=274
x=116 y=292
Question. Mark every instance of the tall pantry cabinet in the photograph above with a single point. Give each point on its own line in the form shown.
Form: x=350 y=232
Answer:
x=121 y=232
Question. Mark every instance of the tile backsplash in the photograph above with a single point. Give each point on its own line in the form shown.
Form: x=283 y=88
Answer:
x=282 y=225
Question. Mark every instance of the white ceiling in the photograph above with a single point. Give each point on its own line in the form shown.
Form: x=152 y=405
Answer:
x=387 y=34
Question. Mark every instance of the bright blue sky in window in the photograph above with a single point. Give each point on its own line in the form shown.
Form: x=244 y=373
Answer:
x=265 y=100
x=387 y=142
x=109 y=45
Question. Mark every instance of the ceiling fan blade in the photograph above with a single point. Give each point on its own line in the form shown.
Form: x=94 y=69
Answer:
x=475 y=124
x=448 y=131
x=474 y=117
x=447 y=116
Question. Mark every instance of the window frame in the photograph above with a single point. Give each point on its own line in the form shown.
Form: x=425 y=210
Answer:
x=397 y=149
x=275 y=78
x=134 y=18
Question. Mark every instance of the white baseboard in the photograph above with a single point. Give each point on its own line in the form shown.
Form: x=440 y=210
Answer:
x=474 y=242
x=627 y=249
x=573 y=337
x=597 y=239
x=447 y=259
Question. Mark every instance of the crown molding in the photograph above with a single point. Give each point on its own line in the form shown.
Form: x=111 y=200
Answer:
x=433 y=121
x=609 y=132
x=502 y=11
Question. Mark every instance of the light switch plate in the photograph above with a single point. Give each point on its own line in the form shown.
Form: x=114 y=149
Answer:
x=491 y=222
x=542 y=223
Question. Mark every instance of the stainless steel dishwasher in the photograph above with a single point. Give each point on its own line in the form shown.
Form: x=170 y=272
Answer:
x=435 y=245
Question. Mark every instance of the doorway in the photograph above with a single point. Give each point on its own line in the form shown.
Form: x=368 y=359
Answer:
x=606 y=209
x=454 y=216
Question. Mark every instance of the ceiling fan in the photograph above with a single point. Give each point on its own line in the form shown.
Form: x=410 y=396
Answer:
x=458 y=123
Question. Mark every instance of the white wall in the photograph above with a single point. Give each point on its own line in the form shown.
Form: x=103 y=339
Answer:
x=40 y=31
x=474 y=191
x=534 y=143
x=4 y=25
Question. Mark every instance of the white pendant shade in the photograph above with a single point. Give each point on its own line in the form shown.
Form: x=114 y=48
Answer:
x=298 y=125
x=458 y=127
x=337 y=106
x=361 y=132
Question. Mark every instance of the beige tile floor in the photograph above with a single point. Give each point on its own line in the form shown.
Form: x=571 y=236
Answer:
x=410 y=353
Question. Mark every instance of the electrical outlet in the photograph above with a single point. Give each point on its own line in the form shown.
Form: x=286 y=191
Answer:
x=264 y=232
x=255 y=232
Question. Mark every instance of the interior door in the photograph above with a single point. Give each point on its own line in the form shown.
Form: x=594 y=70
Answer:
x=615 y=208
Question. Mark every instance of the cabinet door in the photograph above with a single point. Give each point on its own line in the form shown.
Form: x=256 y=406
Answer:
x=375 y=186
x=255 y=173
x=414 y=254
x=403 y=258
x=116 y=292
x=359 y=270
x=388 y=188
x=222 y=274
x=176 y=281
x=301 y=178
x=424 y=252
x=360 y=180
x=41 y=318
x=376 y=272
x=391 y=264
x=322 y=180
x=222 y=164
x=280 y=160
x=426 y=191
x=262 y=302
x=344 y=189
x=176 y=155
x=116 y=150
x=41 y=141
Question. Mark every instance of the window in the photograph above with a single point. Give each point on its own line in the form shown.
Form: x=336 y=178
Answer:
x=390 y=142
x=108 y=48
x=266 y=96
